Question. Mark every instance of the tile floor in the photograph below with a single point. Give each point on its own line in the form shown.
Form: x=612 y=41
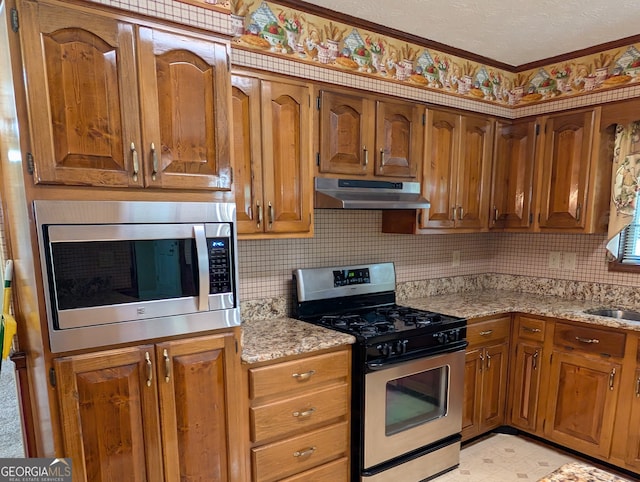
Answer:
x=506 y=458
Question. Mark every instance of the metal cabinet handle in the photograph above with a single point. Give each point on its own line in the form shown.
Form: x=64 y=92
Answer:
x=167 y=366
x=496 y=214
x=638 y=387
x=481 y=362
x=531 y=330
x=488 y=362
x=259 y=206
x=303 y=376
x=578 y=211
x=154 y=158
x=460 y=213
x=587 y=340
x=381 y=159
x=534 y=360
x=136 y=164
x=147 y=357
x=270 y=215
x=304 y=452
x=612 y=376
x=306 y=413
x=366 y=155
x=453 y=213
x=486 y=333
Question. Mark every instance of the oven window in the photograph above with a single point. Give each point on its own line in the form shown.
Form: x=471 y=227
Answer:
x=98 y=273
x=416 y=399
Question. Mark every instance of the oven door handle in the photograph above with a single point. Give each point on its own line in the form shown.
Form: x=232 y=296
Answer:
x=396 y=360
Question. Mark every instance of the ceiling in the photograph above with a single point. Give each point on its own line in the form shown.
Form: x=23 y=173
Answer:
x=514 y=32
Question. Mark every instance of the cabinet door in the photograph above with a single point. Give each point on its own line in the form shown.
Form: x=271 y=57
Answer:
x=633 y=443
x=286 y=155
x=525 y=385
x=399 y=133
x=512 y=182
x=109 y=414
x=193 y=386
x=184 y=84
x=582 y=402
x=474 y=361
x=441 y=160
x=346 y=133
x=494 y=386
x=82 y=95
x=565 y=170
x=474 y=168
x=245 y=101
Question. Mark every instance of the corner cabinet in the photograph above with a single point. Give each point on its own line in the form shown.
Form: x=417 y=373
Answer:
x=272 y=153
x=113 y=104
x=512 y=175
x=150 y=413
x=368 y=137
x=571 y=169
x=485 y=385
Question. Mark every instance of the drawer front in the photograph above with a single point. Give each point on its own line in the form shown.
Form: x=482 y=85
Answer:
x=303 y=412
x=590 y=340
x=489 y=331
x=336 y=471
x=298 y=374
x=531 y=328
x=294 y=455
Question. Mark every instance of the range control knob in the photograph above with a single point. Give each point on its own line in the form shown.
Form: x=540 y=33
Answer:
x=401 y=347
x=385 y=349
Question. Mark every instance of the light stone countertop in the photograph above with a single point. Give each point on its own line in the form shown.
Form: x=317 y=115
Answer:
x=270 y=339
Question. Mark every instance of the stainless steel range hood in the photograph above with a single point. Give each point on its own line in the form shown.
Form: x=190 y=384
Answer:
x=366 y=194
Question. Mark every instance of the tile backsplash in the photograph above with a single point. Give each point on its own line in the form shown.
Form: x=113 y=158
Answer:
x=352 y=237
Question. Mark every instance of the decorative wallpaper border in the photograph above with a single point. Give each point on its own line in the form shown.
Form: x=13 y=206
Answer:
x=280 y=31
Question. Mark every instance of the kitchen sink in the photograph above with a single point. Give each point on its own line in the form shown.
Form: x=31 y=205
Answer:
x=615 y=313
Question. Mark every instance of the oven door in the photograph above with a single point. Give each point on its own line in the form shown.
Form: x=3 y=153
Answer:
x=412 y=404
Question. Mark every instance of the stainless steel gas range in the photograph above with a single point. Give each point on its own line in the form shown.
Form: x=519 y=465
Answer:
x=408 y=371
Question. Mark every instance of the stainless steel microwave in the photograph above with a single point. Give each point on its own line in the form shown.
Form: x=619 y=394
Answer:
x=122 y=271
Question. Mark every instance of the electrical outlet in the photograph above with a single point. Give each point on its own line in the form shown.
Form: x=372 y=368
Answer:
x=555 y=258
x=569 y=261
x=455 y=260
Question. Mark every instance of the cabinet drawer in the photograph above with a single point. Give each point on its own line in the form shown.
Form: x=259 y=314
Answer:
x=531 y=328
x=489 y=331
x=336 y=471
x=589 y=340
x=294 y=455
x=303 y=412
x=297 y=374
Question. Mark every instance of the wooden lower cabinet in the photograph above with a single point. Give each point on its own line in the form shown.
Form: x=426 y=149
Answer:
x=153 y=412
x=485 y=376
x=299 y=418
x=583 y=387
x=632 y=456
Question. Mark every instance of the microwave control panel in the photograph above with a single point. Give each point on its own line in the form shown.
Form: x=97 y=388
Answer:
x=219 y=265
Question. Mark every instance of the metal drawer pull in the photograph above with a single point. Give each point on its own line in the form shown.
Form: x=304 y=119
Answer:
x=303 y=376
x=147 y=357
x=167 y=365
x=306 y=413
x=612 y=376
x=531 y=330
x=305 y=452
x=485 y=333
x=587 y=340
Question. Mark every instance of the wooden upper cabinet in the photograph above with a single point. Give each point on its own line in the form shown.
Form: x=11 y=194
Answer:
x=110 y=415
x=512 y=179
x=565 y=169
x=107 y=112
x=82 y=94
x=272 y=155
x=366 y=137
x=457 y=165
x=347 y=133
x=184 y=88
x=399 y=133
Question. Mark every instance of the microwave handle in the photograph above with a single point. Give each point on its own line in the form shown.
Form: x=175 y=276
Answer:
x=203 y=266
